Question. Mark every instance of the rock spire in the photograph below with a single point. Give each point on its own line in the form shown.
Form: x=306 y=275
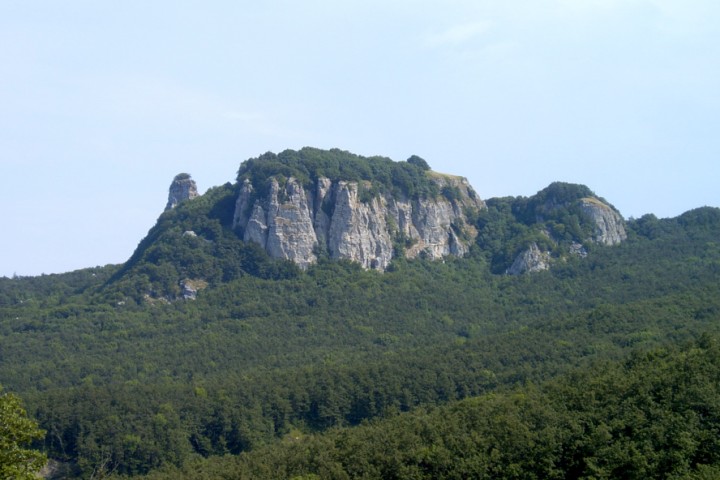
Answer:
x=182 y=188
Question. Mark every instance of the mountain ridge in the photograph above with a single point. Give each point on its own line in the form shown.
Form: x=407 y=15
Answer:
x=302 y=206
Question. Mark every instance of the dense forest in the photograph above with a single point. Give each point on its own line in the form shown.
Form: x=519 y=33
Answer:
x=654 y=415
x=604 y=366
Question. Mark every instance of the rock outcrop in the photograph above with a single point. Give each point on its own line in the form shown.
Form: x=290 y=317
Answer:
x=336 y=219
x=557 y=200
x=182 y=188
x=569 y=217
x=190 y=288
x=609 y=224
x=530 y=260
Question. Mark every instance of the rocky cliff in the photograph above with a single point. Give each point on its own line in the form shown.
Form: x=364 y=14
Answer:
x=182 y=188
x=339 y=219
x=609 y=224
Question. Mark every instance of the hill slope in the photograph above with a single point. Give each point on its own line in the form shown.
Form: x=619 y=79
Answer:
x=125 y=374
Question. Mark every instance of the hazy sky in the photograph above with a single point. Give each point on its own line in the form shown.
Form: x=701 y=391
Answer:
x=103 y=102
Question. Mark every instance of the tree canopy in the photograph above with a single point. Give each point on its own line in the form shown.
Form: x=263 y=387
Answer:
x=17 y=431
x=309 y=164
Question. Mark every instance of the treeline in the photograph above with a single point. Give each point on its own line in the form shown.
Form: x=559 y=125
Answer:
x=54 y=289
x=653 y=416
x=308 y=164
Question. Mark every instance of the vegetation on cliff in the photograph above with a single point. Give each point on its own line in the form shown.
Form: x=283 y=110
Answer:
x=308 y=164
x=553 y=219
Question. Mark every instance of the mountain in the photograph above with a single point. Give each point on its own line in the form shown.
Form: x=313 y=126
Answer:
x=311 y=204
x=204 y=345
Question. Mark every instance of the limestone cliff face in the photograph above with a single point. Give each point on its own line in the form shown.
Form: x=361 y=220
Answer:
x=293 y=223
x=609 y=225
x=182 y=188
x=281 y=224
x=359 y=231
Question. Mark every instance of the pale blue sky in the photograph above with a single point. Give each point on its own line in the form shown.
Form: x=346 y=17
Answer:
x=103 y=102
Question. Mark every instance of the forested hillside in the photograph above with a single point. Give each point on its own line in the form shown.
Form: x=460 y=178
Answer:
x=126 y=376
x=655 y=415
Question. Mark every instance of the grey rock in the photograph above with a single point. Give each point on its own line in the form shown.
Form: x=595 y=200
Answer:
x=578 y=249
x=294 y=223
x=530 y=260
x=256 y=227
x=182 y=188
x=358 y=231
x=188 y=291
x=609 y=224
x=323 y=207
x=191 y=287
x=290 y=233
x=243 y=205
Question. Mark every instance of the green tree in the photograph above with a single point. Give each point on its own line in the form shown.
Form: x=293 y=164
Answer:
x=418 y=162
x=16 y=431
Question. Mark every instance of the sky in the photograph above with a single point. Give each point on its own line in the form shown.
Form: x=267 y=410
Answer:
x=102 y=103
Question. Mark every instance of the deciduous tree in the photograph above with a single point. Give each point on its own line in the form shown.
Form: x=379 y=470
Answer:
x=18 y=462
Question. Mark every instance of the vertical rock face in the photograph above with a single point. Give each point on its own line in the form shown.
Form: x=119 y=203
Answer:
x=182 y=188
x=281 y=224
x=609 y=225
x=295 y=224
x=358 y=231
